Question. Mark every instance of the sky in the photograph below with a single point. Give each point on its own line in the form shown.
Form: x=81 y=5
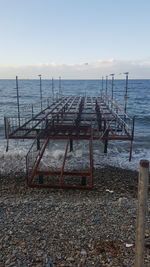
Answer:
x=74 y=39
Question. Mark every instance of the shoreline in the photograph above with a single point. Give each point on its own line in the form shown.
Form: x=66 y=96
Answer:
x=55 y=227
x=106 y=177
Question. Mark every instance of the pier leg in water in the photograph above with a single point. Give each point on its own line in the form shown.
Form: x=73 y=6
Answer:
x=131 y=146
x=46 y=123
x=40 y=179
x=100 y=121
x=38 y=148
x=38 y=144
x=84 y=181
x=71 y=145
x=106 y=141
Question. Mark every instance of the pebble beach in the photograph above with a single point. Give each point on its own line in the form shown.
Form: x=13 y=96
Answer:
x=47 y=227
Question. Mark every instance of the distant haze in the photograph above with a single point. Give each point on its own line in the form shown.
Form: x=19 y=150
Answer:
x=138 y=69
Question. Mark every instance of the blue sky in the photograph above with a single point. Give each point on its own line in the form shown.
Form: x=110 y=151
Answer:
x=60 y=36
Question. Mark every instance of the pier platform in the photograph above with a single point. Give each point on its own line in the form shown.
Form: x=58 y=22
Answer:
x=68 y=118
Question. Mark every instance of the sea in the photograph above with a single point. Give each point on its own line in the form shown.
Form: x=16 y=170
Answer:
x=138 y=105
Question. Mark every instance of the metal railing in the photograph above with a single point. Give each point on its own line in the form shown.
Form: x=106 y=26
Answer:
x=124 y=124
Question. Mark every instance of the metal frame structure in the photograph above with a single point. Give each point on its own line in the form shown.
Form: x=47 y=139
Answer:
x=69 y=118
x=36 y=175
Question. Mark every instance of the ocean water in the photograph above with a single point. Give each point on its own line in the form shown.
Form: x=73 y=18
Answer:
x=118 y=152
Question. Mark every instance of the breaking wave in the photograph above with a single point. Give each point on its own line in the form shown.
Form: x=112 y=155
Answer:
x=15 y=159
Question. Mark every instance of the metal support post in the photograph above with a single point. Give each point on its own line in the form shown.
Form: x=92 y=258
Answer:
x=48 y=102
x=112 y=86
x=18 y=105
x=99 y=116
x=100 y=121
x=41 y=179
x=106 y=84
x=142 y=209
x=71 y=145
x=102 y=85
x=46 y=123
x=126 y=93
x=131 y=145
x=53 y=89
x=6 y=133
x=106 y=133
x=38 y=144
x=53 y=122
x=60 y=91
x=84 y=181
x=32 y=111
x=106 y=142
x=40 y=90
x=57 y=118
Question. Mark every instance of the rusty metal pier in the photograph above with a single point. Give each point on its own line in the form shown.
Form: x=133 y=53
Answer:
x=68 y=118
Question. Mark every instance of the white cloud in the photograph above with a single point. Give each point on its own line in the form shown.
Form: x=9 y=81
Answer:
x=84 y=70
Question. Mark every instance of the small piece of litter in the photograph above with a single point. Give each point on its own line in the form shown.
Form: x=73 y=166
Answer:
x=50 y=263
x=110 y=191
x=129 y=245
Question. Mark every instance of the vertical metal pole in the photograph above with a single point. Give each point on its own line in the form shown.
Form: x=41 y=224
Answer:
x=85 y=93
x=102 y=84
x=40 y=90
x=32 y=111
x=112 y=86
x=83 y=180
x=131 y=145
x=38 y=143
x=106 y=141
x=60 y=93
x=18 y=105
x=106 y=134
x=48 y=102
x=142 y=209
x=126 y=92
x=71 y=145
x=6 y=132
x=106 y=84
x=53 y=89
x=41 y=179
